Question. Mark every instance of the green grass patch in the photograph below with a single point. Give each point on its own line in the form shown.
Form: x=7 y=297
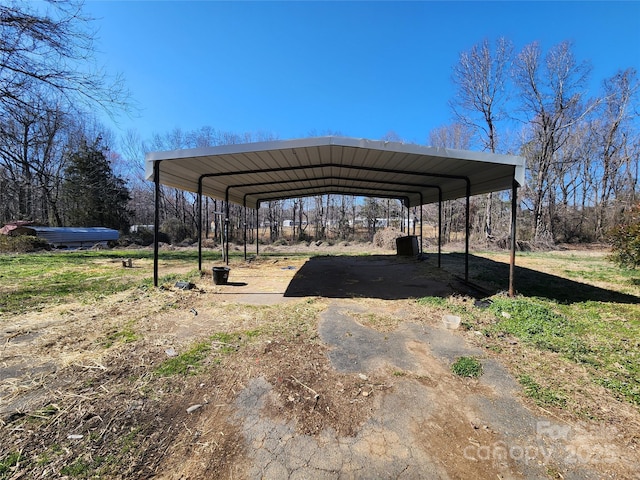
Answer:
x=224 y=342
x=612 y=332
x=543 y=396
x=602 y=334
x=604 y=337
x=49 y=455
x=439 y=302
x=187 y=363
x=79 y=468
x=124 y=335
x=192 y=361
x=252 y=333
x=82 y=468
x=537 y=324
x=621 y=387
x=130 y=441
x=7 y=463
x=467 y=367
x=32 y=281
x=456 y=305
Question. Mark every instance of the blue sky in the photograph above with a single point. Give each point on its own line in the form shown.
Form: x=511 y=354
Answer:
x=362 y=69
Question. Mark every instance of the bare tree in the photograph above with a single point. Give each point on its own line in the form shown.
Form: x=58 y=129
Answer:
x=274 y=216
x=344 y=229
x=480 y=76
x=319 y=218
x=299 y=217
x=303 y=220
x=575 y=179
x=371 y=211
x=615 y=139
x=552 y=102
x=456 y=135
x=32 y=142
x=46 y=48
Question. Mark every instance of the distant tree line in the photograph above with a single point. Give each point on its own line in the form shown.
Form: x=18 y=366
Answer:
x=58 y=166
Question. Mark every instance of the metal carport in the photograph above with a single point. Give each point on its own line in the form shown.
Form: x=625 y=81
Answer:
x=247 y=174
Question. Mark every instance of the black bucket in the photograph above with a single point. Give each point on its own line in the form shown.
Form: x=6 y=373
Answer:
x=220 y=275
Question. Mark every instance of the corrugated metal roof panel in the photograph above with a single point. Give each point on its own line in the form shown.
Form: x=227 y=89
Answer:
x=76 y=236
x=276 y=169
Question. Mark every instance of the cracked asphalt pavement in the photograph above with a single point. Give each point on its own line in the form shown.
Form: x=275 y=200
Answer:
x=421 y=429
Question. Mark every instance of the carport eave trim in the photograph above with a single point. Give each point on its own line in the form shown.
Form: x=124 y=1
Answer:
x=203 y=153
x=378 y=145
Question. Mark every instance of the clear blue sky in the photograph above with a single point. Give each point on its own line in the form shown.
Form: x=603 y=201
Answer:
x=358 y=68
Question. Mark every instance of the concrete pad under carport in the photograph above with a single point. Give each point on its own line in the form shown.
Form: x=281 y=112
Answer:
x=386 y=277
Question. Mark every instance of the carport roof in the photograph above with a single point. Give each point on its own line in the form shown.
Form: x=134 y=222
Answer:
x=254 y=172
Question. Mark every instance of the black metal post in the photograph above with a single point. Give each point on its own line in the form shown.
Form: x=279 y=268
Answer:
x=467 y=232
x=439 y=227
x=200 y=224
x=226 y=226
x=512 y=262
x=244 y=229
x=257 y=229
x=156 y=219
x=421 y=200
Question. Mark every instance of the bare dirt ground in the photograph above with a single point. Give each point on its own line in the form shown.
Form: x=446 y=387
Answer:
x=328 y=369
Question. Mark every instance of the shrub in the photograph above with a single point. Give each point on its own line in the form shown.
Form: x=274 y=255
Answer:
x=142 y=237
x=177 y=231
x=386 y=238
x=22 y=244
x=625 y=240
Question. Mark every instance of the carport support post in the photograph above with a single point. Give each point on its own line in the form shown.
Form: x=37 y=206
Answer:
x=156 y=219
x=258 y=228
x=512 y=260
x=421 y=201
x=226 y=226
x=439 y=227
x=467 y=232
x=244 y=233
x=200 y=224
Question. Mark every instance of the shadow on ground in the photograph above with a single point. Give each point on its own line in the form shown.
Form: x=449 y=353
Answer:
x=391 y=277
x=494 y=276
x=387 y=277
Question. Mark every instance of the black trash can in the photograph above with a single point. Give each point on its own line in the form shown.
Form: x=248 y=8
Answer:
x=407 y=245
x=220 y=275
